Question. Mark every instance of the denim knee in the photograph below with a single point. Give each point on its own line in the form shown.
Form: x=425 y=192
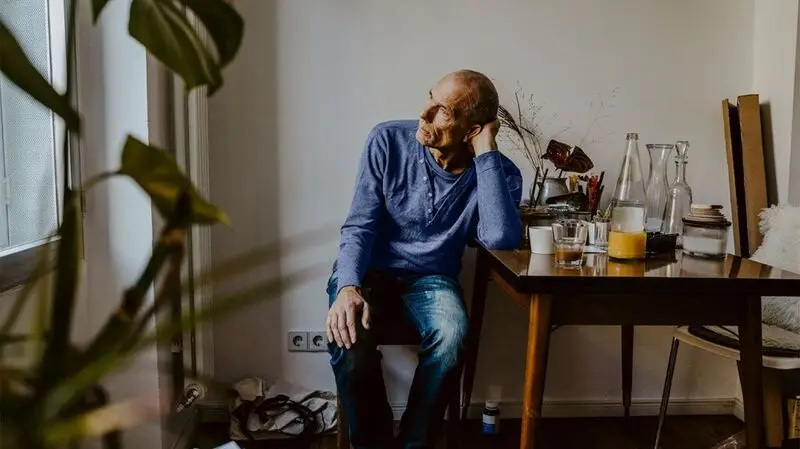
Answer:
x=445 y=341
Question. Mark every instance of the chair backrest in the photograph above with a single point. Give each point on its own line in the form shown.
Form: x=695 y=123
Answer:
x=780 y=248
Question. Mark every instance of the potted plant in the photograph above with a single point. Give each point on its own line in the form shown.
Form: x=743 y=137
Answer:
x=58 y=400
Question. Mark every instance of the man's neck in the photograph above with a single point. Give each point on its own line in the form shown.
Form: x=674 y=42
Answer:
x=454 y=161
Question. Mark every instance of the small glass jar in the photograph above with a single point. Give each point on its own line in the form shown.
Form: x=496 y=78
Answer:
x=709 y=240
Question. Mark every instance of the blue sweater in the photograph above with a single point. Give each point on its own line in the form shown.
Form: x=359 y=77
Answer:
x=409 y=215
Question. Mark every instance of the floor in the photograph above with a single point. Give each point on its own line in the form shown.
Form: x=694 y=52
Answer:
x=684 y=432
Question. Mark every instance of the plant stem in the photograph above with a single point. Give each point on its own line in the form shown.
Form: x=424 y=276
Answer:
x=66 y=277
x=97 y=179
x=170 y=289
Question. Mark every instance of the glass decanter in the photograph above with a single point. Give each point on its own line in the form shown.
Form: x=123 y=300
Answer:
x=679 y=196
x=627 y=238
x=657 y=186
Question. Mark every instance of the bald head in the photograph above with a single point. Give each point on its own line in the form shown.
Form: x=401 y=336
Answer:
x=480 y=101
x=458 y=107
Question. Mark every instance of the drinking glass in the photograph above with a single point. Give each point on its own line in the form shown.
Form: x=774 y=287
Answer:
x=569 y=237
x=599 y=237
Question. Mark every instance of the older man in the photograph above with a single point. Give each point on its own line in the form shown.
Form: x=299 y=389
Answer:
x=425 y=189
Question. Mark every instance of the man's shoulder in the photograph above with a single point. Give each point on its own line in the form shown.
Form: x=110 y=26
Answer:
x=392 y=138
x=395 y=129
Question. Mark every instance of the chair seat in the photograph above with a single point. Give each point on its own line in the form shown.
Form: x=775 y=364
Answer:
x=729 y=349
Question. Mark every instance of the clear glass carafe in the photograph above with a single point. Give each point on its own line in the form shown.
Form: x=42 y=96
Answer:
x=627 y=238
x=679 y=195
x=657 y=186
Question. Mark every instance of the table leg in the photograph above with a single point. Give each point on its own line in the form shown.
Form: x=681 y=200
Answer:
x=473 y=340
x=627 y=368
x=536 y=367
x=751 y=375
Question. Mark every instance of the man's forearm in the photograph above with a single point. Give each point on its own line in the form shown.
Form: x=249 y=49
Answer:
x=361 y=225
x=499 y=225
x=354 y=255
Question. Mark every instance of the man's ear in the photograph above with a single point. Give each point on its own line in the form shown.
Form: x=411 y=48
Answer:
x=474 y=130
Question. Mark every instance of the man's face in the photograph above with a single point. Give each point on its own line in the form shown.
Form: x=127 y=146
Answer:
x=442 y=124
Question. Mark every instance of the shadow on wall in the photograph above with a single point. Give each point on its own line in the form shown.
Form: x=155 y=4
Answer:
x=243 y=136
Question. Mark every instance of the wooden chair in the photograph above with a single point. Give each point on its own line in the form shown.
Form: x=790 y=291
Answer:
x=401 y=333
x=781 y=348
x=781 y=375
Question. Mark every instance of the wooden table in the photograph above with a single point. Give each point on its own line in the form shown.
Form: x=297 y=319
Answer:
x=683 y=290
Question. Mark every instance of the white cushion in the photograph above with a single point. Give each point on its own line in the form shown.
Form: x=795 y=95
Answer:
x=780 y=247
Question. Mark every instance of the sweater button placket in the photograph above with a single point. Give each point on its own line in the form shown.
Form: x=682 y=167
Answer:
x=430 y=202
x=428 y=188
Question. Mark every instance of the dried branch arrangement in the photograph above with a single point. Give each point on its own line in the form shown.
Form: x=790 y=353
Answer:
x=525 y=131
x=522 y=123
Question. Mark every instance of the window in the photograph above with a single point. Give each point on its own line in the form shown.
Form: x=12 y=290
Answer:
x=30 y=135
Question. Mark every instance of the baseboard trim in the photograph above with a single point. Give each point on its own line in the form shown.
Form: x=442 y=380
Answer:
x=217 y=411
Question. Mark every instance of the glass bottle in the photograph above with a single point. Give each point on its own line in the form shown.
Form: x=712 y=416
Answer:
x=679 y=196
x=657 y=185
x=627 y=239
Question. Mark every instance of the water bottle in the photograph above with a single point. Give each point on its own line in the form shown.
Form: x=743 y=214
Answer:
x=490 y=422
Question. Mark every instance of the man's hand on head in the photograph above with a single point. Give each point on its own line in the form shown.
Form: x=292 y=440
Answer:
x=484 y=141
x=341 y=322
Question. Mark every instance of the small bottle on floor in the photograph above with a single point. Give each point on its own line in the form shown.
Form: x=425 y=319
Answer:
x=490 y=423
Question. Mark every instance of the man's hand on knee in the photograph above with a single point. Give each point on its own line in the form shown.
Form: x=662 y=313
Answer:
x=341 y=322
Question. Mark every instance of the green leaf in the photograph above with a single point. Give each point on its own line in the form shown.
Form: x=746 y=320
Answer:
x=102 y=421
x=123 y=321
x=18 y=69
x=230 y=303
x=14 y=374
x=97 y=8
x=167 y=34
x=157 y=173
x=10 y=339
x=113 y=360
x=223 y=23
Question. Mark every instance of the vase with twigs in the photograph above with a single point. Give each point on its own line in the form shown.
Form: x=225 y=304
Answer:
x=523 y=130
x=522 y=123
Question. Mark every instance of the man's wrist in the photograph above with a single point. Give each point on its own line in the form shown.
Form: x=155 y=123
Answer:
x=487 y=147
x=353 y=288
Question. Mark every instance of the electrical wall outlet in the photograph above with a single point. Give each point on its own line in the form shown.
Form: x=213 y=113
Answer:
x=298 y=341
x=318 y=341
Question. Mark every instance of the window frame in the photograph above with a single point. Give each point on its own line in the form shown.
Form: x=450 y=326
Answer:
x=18 y=263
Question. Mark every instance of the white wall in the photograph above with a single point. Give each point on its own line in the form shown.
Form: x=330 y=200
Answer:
x=774 y=48
x=313 y=78
x=794 y=178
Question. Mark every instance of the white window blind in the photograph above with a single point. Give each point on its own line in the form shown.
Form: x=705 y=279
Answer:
x=30 y=158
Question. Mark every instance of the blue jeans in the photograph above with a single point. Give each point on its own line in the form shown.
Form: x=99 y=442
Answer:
x=434 y=305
